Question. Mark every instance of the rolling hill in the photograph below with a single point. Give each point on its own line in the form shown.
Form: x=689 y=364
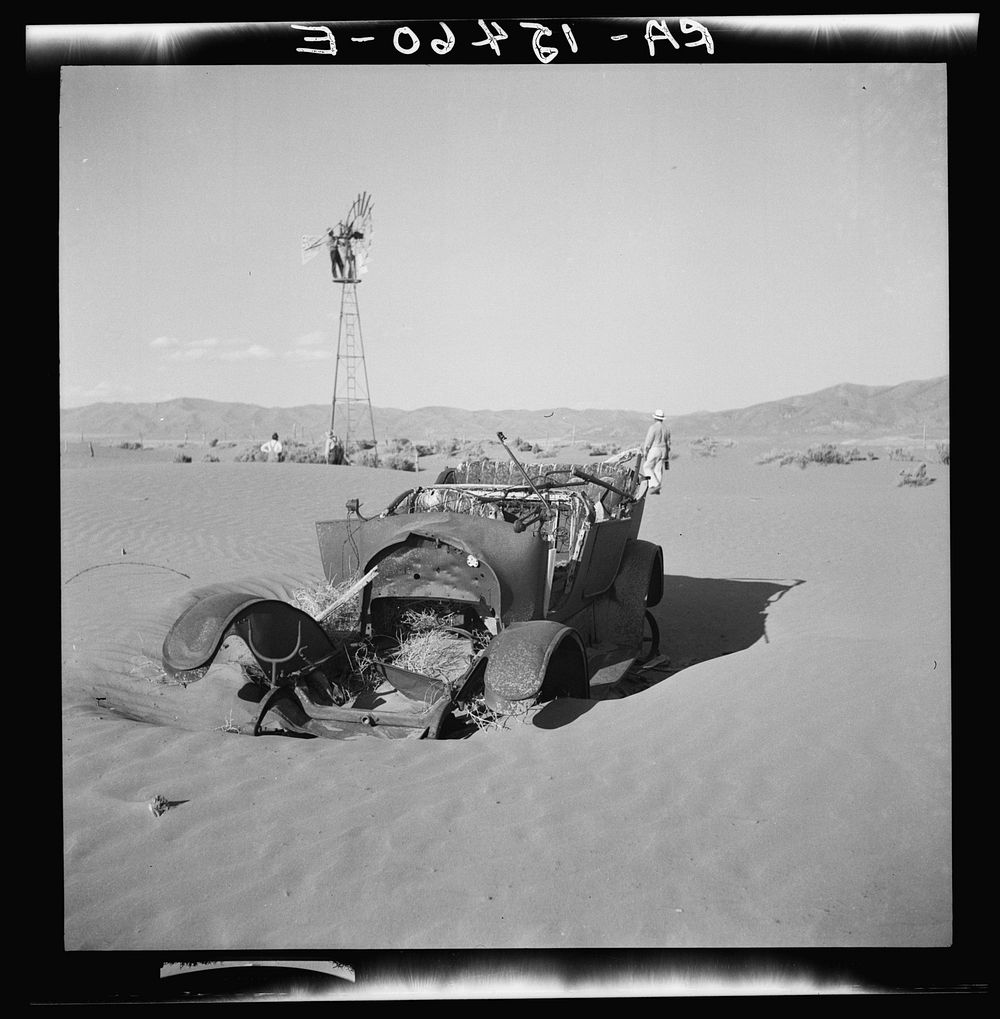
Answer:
x=846 y=409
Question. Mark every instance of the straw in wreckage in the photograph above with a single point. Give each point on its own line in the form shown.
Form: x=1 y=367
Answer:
x=535 y=573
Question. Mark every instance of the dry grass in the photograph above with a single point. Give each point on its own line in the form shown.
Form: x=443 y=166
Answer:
x=317 y=598
x=364 y=666
x=151 y=670
x=421 y=620
x=487 y=720
x=438 y=653
x=229 y=725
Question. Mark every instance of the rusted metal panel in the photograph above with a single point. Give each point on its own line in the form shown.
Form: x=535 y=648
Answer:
x=600 y=558
x=282 y=637
x=529 y=655
x=435 y=570
x=518 y=559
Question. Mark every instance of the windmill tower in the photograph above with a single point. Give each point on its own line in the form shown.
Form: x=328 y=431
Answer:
x=348 y=244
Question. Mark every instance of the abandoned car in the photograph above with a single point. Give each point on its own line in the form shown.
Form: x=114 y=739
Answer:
x=531 y=578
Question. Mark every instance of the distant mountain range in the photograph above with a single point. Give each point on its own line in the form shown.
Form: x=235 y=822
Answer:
x=846 y=409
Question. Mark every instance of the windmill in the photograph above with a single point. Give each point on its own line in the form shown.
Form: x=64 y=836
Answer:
x=348 y=245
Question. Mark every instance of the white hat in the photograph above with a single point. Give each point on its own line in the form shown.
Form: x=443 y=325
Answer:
x=658 y=414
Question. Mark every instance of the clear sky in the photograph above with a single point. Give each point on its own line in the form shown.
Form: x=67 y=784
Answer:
x=691 y=237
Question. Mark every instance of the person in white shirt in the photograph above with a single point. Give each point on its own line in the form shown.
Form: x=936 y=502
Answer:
x=656 y=452
x=272 y=448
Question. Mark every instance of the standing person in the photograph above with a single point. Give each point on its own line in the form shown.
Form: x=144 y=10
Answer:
x=334 y=242
x=272 y=448
x=334 y=449
x=656 y=452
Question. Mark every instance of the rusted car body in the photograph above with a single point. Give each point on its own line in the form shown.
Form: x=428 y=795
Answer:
x=540 y=567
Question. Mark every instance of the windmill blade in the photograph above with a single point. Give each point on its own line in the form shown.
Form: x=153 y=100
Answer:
x=357 y=232
x=358 y=218
x=351 y=237
x=312 y=245
x=351 y=216
x=362 y=249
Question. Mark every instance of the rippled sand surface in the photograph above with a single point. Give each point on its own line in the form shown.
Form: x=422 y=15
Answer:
x=785 y=782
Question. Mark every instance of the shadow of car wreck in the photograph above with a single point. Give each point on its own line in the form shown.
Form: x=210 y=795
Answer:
x=699 y=618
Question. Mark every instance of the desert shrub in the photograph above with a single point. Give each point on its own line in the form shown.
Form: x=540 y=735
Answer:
x=299 y=452
x=130 y=445
x=290 y=451
x=901 y=454
x=708 y=446
x=704 y=446
x=401 y=447
x=427 y=448
x=772 y=456
x=358 y=450
x=944 y=452
x=399 y=462
x=182 y=458
x=916 y=478
x=830 y=454
x=209 y=459
x=602 y=449
x=825 y=454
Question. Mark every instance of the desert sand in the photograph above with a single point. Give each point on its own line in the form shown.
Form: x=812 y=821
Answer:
x=785 y=782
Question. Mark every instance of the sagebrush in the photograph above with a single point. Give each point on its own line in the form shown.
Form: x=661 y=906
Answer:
x=823 y=454
x=916 y=478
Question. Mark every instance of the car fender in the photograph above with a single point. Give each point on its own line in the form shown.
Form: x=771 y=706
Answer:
x=281 y=637
x=535 y=660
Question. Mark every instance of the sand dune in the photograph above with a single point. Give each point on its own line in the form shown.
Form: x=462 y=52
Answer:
x=784 y=782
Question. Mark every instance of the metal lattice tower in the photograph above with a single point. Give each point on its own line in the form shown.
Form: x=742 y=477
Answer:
x=348 y=245
x=350 y=377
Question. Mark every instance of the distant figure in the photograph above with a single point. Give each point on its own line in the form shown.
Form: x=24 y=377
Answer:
x=273 y=449
x=656 y=452
x=334 y=449
x=343 y=258
x=334 y=241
